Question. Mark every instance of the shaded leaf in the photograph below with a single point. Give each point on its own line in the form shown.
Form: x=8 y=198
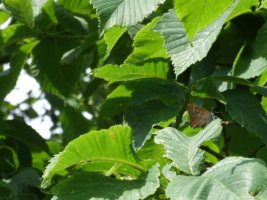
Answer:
x=70 y=22
x=113 y=35
x=142 y=117
x=183 y=150
x=253 y=60
x=87 y=186
x=247 y=111
x=9 y=78
x=23 y=133
x=140 y=91
x=62 y=76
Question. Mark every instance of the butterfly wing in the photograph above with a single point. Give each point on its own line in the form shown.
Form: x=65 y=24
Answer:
x=199 y=116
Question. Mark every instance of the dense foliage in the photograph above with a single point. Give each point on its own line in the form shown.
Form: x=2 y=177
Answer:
x=134 y=65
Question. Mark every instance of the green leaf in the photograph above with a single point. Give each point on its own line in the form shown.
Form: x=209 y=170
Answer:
x=113 y=35
x=152 y=152
x=87 y=186
x=243 y=7
x=262 y=79
x=73 y=123
x=147 y=45
x=128 y=72
x=76 y=6
x=21 y=9
x=70 y=22
x=109 y=145
x=196 y=15
x=183 y=53
x=3 y=17
x=37 y=6
x=8 y=78
x=23 y=133
x=263 y=4
x=253 y=60
x=183 y=150
x=14 y=33
x=235 y=147
x=247 y=111
x=142 y=117
x=62 y=76
x=24 y=180
x=123 y=12
x=206 y=88
x=223 y=181
x=140 y=91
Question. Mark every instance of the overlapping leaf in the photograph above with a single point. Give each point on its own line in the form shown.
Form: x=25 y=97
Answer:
x=183 y=150
x=128 y=72
x=142 y=117
x=111 y=145
x=87 y=186
x=147 y=45
x=183 y=53
x=253 y=60
x=137 y=92
x=123 y=12
x=232 y=178
x=196 y=14
x=8 y=78
x=21 y=9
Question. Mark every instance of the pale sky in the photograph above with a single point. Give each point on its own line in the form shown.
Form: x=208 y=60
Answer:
x=26 y=84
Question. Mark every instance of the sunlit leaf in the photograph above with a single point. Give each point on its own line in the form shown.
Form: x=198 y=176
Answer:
x=109 y=145
x=183 y=53
x=196 y=15
x=183 y=150
x=123 y=12
x=223 y=181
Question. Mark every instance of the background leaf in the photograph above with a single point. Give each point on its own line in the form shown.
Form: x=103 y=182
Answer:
x=253 y=60
x=247 y=111
x=21 y=9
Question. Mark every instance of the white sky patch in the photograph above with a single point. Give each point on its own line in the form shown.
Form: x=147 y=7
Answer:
x=87 y=115
x=42 y=125
x=27 y=85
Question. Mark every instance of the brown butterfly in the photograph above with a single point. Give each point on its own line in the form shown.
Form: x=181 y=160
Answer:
x=199 y=117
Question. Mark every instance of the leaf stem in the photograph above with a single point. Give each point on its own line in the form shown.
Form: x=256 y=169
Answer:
x=207 y=149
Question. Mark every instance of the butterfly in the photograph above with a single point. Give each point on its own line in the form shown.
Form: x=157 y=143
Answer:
x=199 y=117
